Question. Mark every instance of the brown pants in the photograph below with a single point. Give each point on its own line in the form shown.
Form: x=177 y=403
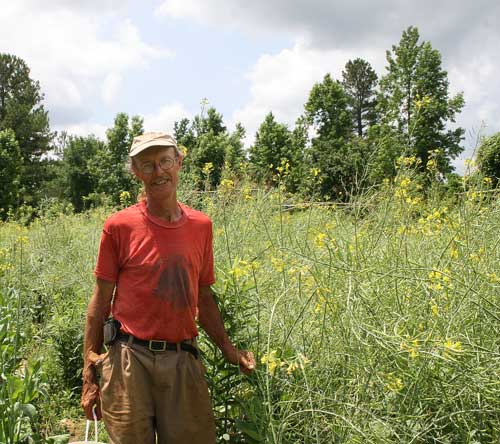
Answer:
x=149 y=395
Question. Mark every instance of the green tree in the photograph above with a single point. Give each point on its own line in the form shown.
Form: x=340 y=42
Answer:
x=327 y=110
x=384 y=147
x=203 y=124
x=184 y=134
x=211 y=149
x=334 y=154
x=414 y=100
x=109 y=166
x=78 y=180
x=21 y=110
x=273 y=141
x=299 y=138
x=10 y=171
x=207 y=159
x=359 y=81
x=235 y=152
x=488 y=158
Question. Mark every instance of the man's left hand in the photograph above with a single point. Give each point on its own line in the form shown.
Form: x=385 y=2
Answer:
x=246 y=361
x=243 y=358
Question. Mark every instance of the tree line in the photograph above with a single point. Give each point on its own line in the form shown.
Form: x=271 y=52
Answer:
x=349 y=137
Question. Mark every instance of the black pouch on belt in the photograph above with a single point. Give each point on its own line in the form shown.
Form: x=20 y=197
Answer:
x=111 y=330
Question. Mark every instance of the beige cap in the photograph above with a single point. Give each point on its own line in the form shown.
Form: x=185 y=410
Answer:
x=147 y=140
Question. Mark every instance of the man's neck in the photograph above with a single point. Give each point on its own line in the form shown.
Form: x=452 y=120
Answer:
x=167 y=209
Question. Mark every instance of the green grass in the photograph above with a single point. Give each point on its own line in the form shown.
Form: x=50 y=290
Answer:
x=376 y=322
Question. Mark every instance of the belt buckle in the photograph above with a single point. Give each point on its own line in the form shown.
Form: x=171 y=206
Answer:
x=162 y=345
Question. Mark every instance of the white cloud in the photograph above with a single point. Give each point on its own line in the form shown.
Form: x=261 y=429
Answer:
x=327 y=23
x=466 y=33
x=182 y=8
x=281 y=83
x=111 y=87
x=84 y=129
x=164 y=118
x=74 y=50
x=161 y=120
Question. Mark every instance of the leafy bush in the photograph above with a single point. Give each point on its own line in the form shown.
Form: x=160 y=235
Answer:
x=488 y=158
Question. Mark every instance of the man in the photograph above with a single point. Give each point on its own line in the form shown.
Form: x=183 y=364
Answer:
x=153 y=274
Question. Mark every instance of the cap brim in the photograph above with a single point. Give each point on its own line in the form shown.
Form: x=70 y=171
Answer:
x=144 y=146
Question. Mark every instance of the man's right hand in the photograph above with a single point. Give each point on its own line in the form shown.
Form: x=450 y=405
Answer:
x=97 y=312
x=90 y=389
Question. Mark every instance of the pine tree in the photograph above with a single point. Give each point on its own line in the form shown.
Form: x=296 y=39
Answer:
x=22 y=110
x=359 y=81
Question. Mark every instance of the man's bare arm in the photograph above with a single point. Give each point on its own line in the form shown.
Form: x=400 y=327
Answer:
x=97 y=312
x=211 y=321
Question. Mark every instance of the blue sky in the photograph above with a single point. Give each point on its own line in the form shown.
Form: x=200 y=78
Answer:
x=159 y=58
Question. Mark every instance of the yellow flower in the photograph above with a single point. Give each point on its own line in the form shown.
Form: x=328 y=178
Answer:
x=421 y=102
x=454 y=253
x=284 y=168
x=405 y=182
x=434 y=275
x=431 y=164
x=319 y=240
x=6 y=267
x=208 y=168
x=434 y=307
x=320 y=304
x=272 y=367
x=292 y=367
x=272 y=362
x=124 y=198
x=393 y=383
x=315 y=172
x=22 y=240
x=412 y=347
x=299 y=363
x=304 y=360
x=247 y=193
x=472 y=195
x=406 y=161
x=278 y=264
x=268 y=357
x=241 y=269
x=493 y=278
x=226 y=185
x=452 y=347
x=436 y=287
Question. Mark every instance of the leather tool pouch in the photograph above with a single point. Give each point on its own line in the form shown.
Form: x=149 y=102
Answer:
x=111 y=330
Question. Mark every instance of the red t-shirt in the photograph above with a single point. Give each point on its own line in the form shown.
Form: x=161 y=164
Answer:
x=158 y=267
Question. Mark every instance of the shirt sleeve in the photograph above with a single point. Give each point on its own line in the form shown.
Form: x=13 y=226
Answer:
x=107 y=266
x=207 y=275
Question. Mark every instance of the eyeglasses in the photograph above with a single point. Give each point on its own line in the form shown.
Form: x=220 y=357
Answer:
x=166 y=163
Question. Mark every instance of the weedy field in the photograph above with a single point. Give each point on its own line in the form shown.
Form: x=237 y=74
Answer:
x=373 y=322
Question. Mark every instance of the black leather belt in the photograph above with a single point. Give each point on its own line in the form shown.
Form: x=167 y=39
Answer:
x=159 y=346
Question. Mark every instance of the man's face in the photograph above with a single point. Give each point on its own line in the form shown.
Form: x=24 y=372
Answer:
x=158 y=168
